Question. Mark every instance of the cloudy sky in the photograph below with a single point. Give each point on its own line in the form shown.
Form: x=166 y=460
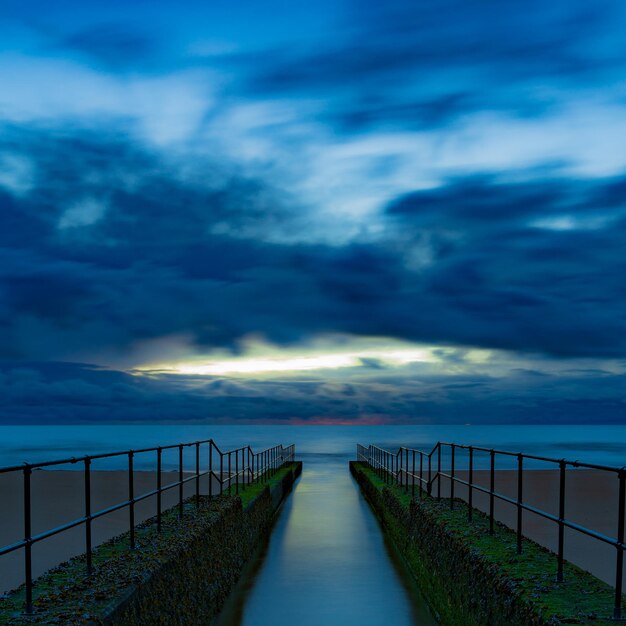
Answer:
x=331 y=212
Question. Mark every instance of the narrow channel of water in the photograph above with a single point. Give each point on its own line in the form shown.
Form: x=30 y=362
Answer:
x=326 y=562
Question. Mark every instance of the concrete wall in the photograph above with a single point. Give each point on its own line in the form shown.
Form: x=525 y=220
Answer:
x=470 y=578
x=181 y=576
x=192 y=587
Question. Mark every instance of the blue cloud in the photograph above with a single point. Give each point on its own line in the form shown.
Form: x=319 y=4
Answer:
x=501 y=271
x=447 y=174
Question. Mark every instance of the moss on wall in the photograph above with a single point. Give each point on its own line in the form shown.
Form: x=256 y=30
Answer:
x=472 y=578
x=181 y=575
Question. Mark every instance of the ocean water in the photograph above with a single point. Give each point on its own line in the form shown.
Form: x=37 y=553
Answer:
x=594 y=444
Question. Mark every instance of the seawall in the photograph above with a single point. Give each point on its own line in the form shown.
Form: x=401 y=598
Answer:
x=181 y=575
x=472 y=578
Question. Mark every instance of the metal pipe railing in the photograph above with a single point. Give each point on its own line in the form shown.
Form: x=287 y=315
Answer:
x=394 y=468
x=255 y=466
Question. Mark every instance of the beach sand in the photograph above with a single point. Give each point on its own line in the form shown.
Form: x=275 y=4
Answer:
x=58 y=497
x=591 y=499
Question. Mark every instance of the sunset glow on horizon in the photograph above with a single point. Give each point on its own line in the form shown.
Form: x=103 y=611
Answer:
x=286 y=364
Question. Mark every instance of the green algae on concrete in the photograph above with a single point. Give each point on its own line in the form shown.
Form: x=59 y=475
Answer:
x=181 y=575
x=471 y=577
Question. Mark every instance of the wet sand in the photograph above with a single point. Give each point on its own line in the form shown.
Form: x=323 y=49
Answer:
x=58 y=497
x=591 y=499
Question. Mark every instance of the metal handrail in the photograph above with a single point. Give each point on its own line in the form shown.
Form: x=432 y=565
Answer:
x=255 y=466
x=400 y=468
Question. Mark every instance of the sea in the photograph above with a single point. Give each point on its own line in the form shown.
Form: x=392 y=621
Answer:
x=604 y=444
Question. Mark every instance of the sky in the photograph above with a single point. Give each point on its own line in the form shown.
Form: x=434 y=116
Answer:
x=334 y=212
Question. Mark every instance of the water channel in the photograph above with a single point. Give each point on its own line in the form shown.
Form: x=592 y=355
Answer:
x=326 y=562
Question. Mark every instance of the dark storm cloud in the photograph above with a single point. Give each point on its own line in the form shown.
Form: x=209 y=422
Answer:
x=535 y=265
x=529 y=266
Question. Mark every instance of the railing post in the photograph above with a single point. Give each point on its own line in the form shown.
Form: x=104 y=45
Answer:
x=210 y=469
x=28 y=561
x=413 y=477
x=131 y=498
x=397 y=460
x=229 y=471
x=520 y=485
x=439 y=471
x=88 y=514
x=406 y=470
x=395 y=467
x=246 y=472
x=180 y=481
x=159 y=487
x=221 y=472
x=452 y=477
x=386 y=465
x=197 y=474
x=237 y=472
x=430 y=484
x=560 y=556
x=470 y=498
x=619 y=568
x=421 y=492
x=492 y=486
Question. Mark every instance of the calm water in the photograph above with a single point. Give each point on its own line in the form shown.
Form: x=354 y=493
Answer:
x=326 y=563
x=601 y=444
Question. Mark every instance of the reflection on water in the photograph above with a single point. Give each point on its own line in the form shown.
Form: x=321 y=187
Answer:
x=326 y=563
